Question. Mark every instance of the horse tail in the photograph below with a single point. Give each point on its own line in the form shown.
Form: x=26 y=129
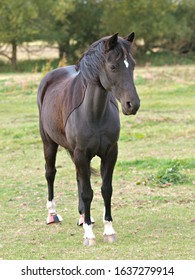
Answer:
x=94 y=171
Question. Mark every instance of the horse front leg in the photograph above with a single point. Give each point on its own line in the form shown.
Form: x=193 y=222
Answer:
x=85 y=194
x=81 y=207
x=107 y=168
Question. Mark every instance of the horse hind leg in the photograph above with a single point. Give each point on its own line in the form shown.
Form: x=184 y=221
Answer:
x=50 y=150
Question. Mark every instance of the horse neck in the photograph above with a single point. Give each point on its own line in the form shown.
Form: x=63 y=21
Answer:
x=95 y=103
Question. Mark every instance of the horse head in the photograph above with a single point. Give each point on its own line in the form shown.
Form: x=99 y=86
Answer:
x=117 y=72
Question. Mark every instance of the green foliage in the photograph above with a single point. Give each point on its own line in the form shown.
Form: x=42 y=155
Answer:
x=46 y=68
x=25 y=21
x=168 y=176
x=164 y=24
x=28 y=66
x=16 y=21
x=74 y=24
x=80 y=28
x=162 y=58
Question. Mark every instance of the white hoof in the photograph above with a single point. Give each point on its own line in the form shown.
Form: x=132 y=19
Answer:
x=109 y=233
x=89 y=237
x=89 y=242
x=110 y=238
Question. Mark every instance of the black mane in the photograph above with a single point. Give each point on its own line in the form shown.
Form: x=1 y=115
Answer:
x=93 y=59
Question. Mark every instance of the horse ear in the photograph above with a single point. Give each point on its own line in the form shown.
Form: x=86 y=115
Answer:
x=111 y=42
x=130 y=37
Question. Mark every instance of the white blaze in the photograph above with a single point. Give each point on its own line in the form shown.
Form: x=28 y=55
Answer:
x=126 y=63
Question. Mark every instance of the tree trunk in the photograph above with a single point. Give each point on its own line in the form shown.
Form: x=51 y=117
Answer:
x=65 y=50
x=62 y=46
x=14 y=54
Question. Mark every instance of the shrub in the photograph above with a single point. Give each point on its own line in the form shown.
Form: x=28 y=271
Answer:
x=168 y=176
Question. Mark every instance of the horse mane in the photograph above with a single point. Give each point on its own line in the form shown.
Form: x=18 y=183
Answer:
x=93 y=59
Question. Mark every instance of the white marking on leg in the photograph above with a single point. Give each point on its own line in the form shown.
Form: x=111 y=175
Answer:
x=82 y=220
x=88 y=232
x=108 y=229
x=51 y=206
x=109 y=233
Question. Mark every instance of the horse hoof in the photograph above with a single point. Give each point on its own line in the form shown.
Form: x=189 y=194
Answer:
x=53 y=218
x=110 y=238
x=89 y=242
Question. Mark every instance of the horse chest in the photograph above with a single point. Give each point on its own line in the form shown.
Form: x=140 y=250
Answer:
x=93 y=137
x=100 y=140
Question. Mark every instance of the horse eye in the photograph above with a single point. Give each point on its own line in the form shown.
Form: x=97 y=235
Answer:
x=113 y=67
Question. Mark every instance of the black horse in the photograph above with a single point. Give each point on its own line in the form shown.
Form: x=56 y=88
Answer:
x=78 y=111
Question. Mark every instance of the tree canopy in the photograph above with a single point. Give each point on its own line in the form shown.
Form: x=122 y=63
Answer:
x=74 y=24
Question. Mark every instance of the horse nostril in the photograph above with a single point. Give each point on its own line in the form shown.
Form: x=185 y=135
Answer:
x=129 y=105
x=132 y=108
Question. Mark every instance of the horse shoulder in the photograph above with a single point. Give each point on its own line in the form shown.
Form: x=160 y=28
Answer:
x=54 y=77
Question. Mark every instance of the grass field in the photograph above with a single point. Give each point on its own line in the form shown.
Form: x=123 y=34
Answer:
x=154 y=180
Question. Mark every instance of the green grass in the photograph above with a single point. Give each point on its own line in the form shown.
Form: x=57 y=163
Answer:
x=162 y=58
x=33 y=65
x=153 y=219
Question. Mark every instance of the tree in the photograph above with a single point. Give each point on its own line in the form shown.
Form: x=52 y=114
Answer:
x=183 y=32
x=16 y=24
x=25 y=21
x=168 y=23
x=80 y=26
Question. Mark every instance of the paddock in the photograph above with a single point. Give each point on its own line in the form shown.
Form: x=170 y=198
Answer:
x=154 y=221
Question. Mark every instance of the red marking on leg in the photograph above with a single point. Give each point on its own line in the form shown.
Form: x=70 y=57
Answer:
x=51 y=218
x=81 y=220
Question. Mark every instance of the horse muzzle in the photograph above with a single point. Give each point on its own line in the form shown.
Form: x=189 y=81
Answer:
x=130 y=108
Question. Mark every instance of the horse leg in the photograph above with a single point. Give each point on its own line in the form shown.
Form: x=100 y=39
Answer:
x=107 y=168
x=50 y=150
x=85 y=193
x=81 y=207
x=81 y=204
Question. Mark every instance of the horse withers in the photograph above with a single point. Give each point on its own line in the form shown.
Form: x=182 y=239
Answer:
x=78 y=111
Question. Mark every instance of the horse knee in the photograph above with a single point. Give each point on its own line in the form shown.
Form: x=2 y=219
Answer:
x=50 y=174
x=87 y=196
